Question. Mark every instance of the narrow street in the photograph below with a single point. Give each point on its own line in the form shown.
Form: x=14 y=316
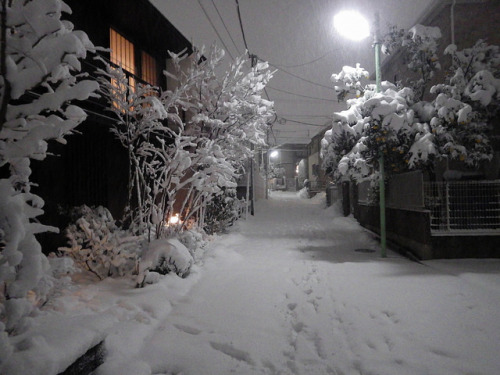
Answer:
x=286 y=292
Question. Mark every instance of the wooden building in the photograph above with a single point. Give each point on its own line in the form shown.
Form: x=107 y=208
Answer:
x=92 y=168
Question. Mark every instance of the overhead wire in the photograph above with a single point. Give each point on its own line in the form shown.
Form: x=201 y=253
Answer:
x=281 y=69
x=215 y=29
x=309 y=62
x=301 y=95
x=301 y=78
x=305 y=123
x=225 y=27
x=241 y=27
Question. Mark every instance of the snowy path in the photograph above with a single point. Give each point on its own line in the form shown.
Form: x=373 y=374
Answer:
x=286 y=293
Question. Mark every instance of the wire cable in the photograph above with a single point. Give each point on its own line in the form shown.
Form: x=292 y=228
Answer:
x=302 y=96
x=225 y=27
x=305 y=123
x=301 y=78
x=309 y=62
x=241 y=26
x=213 y=27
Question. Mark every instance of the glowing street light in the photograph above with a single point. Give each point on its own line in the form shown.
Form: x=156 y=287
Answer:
x=351 y=25
x=354 y=26
x=274 y=154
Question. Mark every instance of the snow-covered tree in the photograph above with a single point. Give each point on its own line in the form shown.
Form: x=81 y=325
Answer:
x=466 y=104
x=412 y=133
x=418 y=47
x=178 y=165
x=375 y=124
x=39 y=66
x=227 y=115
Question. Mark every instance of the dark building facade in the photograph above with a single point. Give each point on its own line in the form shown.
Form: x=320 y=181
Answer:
x=92 y=168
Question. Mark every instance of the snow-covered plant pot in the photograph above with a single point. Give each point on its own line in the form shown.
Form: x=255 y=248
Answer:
x=164 y=256
x=97 y=244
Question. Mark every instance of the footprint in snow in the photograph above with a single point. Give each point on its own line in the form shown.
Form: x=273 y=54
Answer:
x=187 y=329
x=232 y=352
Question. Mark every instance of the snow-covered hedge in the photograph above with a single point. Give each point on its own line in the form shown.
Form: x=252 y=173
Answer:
x=98 y=245
x=161 y=257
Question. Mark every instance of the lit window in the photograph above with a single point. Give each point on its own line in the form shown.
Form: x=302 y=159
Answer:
x=122 y=51
x=149 y=70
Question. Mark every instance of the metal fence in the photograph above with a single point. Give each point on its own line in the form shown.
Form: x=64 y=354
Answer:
x=465 y=206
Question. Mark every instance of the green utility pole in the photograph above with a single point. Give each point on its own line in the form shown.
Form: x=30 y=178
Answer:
x=377 y=44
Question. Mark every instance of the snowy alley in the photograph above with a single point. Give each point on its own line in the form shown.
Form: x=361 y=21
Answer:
x=286 y=293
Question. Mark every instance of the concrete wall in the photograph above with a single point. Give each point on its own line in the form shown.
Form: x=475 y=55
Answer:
x=409 y=230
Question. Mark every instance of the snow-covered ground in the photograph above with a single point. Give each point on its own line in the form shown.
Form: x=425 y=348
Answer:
x=284 y=293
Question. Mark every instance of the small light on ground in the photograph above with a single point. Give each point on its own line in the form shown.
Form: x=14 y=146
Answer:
x=174 y=219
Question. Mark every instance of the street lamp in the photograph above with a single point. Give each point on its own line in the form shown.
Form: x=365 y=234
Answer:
x=354 y=26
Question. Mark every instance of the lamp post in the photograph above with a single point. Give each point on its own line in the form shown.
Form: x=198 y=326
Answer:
x=353 y=26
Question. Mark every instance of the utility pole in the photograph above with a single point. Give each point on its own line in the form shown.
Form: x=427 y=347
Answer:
x=377 y=44
x=253 y=60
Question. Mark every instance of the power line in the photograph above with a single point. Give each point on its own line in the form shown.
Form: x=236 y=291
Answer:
x=305 y=123
x=225 y=27
x=241 y=26
x=213 y=27
x=309 y=62
x=301 y=78
x=302 y=96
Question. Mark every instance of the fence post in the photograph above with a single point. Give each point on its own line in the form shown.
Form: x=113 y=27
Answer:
x=447 y=204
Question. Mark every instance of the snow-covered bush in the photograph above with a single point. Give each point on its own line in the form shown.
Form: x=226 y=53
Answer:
x=39 y=65
x=375 y=124
x=195 y=239
x=98 y=245
x=161 y=257
x=350 y=80
x=466 y=104
x=221 y=212
x=419 y=51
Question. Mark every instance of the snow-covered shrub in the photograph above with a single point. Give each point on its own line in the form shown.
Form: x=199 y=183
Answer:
x=98 y=245
x=38 y=81
x=194 y=239
x=221 y=212
x=161 y=257
x=350 y=79
x=374 y=124
x=419 y=50
x=466 y=104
